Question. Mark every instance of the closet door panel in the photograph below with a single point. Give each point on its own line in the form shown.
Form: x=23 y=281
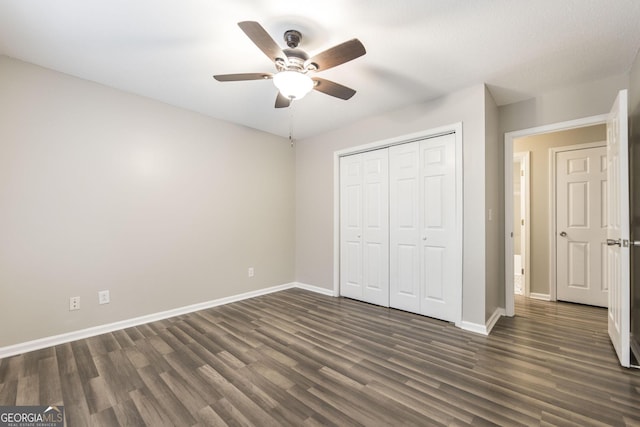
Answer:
x=376 y=227
x=404 y=225
x=364 y=227
x=351 y=229
x=439 y=290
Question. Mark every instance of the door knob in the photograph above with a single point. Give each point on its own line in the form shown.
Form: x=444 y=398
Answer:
x=563 y=234
x=614 y=242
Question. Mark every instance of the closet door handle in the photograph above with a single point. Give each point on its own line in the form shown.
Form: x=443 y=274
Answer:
x=563 y=234
x=613 y=242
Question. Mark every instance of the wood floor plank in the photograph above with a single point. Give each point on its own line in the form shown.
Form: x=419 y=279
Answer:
x=28 y=392
x=303 y=359
x=207 y=417
x=163 y=395
x=127 y=414
x=50 y=392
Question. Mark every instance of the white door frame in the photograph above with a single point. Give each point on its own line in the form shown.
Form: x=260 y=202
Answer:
x=525 y=197
x=553 y=229
x=455 y=128
x=509 y=137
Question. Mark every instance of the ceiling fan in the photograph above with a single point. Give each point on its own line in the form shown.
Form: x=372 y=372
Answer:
x=293 y=64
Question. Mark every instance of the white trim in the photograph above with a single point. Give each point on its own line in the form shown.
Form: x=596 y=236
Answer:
x=497 y=314
x=487 y=327
x=509 y=137
x=543 y=297
x=316 y=289
x=336 y=224
x=553 y=228
x=476 y=328
x=38 y=344
x=454 y=128
x=525 y=161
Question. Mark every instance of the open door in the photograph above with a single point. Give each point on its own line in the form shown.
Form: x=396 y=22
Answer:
x=618 y=227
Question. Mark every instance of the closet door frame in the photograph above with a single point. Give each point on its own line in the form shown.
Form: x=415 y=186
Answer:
x=455 y=128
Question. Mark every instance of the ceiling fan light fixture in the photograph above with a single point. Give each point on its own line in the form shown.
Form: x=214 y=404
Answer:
x=293 y=84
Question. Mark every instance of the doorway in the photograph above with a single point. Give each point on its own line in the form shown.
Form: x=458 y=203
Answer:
x=538 y=141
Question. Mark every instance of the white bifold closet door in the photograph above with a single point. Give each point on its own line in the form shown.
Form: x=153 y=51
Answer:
x=398 y=235
x=364 y=227
x=422 y=211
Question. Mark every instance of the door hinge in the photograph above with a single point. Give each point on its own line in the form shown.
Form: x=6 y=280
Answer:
x=523 y=271
x=521 y=172
x=522 y=222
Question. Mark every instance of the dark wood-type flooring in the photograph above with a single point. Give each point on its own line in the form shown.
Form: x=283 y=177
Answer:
x=303 y=359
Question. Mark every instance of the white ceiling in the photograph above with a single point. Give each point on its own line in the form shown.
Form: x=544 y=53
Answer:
x=416 y=50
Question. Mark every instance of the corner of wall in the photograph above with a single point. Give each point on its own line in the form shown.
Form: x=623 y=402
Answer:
x=494 y=205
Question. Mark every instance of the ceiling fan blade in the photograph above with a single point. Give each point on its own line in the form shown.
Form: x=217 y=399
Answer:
x=332 y=88
x=262 y=39
x=282 y=101
x=337 y=55
x=242 y=77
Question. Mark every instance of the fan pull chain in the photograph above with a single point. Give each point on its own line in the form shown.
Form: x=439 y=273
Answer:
x=291 y=123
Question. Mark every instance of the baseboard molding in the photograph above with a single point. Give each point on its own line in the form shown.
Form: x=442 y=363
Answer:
x=497 y=314
x=485 y=329
x=543 y=297
x=316 y=289
x=41 y=343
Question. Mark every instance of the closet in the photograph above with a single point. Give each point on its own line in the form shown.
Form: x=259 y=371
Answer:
x=399 y=227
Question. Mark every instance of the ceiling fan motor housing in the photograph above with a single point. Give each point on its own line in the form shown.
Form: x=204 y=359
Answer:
x=292 y=38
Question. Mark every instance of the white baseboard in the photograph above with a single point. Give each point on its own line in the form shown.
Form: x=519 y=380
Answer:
x=543 y=297
x=316 y=289
x=41 y=343
x=494 y=318
x=487 y=327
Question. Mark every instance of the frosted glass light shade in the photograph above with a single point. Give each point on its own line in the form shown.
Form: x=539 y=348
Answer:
x=292 y=84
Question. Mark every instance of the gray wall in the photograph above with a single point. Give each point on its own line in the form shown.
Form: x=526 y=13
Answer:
x=576 y=102
x=100 y=189
x=315 y=175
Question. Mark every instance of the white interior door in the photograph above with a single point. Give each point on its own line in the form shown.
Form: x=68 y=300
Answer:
x=618 y=227
x=581 y=222
x=423 y=234
x=364 y=227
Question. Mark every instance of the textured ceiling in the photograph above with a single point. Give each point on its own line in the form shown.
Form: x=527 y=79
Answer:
x=416 y=50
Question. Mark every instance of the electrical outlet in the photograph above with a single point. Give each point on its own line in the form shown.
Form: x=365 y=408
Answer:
x=103 y=297
x=250 y=272
x=74 y=303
